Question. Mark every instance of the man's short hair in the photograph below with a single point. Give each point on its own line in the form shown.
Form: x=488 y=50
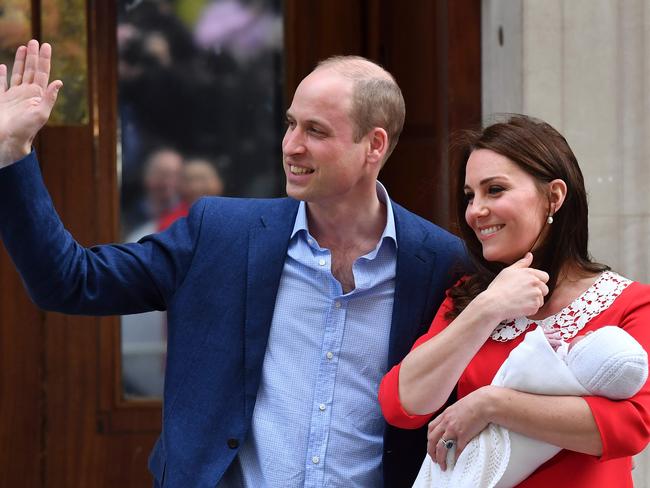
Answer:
x=377 y=100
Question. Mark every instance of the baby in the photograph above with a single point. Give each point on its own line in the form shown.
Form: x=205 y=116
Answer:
x=607 y=362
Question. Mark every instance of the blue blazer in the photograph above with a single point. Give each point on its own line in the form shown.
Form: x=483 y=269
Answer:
x=216 y=273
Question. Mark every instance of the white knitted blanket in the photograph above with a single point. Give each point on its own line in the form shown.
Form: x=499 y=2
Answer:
x=498 y=458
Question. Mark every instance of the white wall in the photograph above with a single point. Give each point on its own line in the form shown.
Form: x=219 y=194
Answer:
x=584 y=67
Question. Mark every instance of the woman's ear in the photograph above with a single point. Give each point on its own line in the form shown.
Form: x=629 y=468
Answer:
x=557 y=194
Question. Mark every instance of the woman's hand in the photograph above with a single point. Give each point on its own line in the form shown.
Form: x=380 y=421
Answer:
x=460 y=423
x=429 y=372
x=518 y=290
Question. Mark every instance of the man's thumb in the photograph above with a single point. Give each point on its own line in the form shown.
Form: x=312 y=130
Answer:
x=53 y=91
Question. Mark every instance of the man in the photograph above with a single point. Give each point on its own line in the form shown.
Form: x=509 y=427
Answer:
x=283 y=314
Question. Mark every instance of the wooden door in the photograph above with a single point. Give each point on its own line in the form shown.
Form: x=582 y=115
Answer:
x=433 y=48
x=63 y=419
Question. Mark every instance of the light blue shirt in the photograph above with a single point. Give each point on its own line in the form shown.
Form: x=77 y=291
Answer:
x=317 y=422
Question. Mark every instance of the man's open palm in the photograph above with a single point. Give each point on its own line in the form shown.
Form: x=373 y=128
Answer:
x=26 y=100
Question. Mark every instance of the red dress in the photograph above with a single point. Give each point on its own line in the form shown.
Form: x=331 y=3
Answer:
x=624 y=425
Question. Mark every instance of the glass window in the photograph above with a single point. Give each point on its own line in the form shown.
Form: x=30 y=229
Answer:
x=200 y=113
x=64 y=25
x=15 y=28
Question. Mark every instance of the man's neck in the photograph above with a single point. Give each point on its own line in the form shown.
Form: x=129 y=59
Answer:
x=349 y=232
x=345 y=226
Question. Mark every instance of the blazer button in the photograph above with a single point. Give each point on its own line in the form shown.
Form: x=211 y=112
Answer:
x=233 y=443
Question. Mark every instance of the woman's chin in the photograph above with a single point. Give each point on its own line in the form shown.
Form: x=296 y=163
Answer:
x=505 y=259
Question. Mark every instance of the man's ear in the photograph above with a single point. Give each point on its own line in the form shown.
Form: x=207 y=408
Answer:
x=557 y=194
x=377 y=145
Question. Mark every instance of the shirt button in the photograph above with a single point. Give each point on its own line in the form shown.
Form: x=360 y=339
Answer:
x=321 y=407
x=321 y=262
x=329 y=355
x=315 y=459
x=337 y=304
x=233 y=443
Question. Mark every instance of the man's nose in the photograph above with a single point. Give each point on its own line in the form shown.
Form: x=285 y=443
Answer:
x=293 y=142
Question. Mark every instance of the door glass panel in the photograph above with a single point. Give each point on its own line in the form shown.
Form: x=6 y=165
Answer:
x=64 y=25
x=15 y=28
x=200 y=113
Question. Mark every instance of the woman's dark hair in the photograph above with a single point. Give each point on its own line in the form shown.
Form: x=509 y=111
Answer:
x=542 y=152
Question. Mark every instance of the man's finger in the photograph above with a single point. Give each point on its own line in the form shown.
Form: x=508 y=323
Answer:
x=19 y=66
x=31 y=61
x=42 y=75
x=52 y=92
x=3 y=78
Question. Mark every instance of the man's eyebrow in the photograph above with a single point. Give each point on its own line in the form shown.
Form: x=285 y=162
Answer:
x=313 y=121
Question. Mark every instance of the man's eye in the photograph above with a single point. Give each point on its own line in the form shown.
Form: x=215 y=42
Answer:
x=289 y=123
x=316 y=131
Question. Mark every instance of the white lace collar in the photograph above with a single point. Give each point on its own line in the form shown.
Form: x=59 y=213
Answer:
x=572 y=318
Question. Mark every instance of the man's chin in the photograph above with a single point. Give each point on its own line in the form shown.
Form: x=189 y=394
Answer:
x=295 y=193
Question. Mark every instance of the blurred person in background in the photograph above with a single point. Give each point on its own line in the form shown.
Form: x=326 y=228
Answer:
x=199 y=178
x=161 y=185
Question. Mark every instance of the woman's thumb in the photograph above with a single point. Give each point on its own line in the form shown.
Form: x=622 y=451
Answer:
x=524 y=262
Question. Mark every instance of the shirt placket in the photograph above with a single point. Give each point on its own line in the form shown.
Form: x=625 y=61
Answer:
x=323 y=398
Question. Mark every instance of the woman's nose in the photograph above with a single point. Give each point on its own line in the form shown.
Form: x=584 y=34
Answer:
x=476 y=209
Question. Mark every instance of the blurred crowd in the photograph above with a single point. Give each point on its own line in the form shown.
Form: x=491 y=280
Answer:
x=171 y=185
x=201 y=113
x=199 y=80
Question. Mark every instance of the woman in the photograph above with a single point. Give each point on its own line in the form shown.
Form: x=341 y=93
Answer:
x=522 y=209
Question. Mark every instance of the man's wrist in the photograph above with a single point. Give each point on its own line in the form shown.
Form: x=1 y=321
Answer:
x=9 y=154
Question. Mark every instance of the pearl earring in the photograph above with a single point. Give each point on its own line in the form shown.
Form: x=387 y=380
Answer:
x=549 y=220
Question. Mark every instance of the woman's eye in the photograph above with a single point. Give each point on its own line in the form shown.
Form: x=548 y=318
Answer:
x=494 y=190
x=469 y=197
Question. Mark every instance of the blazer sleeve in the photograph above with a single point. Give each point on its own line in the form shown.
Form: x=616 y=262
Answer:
x=391 y=405
x=63 y=276
x=624 y=425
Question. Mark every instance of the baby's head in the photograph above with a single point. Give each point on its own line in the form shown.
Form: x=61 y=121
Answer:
x=609 y=362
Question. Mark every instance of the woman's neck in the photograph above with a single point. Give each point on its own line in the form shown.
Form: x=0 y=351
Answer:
x=572 y=282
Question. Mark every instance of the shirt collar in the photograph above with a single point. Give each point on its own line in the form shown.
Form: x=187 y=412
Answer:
x=301 y=223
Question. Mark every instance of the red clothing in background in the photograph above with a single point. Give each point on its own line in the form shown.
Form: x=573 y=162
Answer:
x=168 y=218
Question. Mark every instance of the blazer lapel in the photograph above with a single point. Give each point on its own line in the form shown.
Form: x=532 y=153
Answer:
x=415 y=264
x=267 y=251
